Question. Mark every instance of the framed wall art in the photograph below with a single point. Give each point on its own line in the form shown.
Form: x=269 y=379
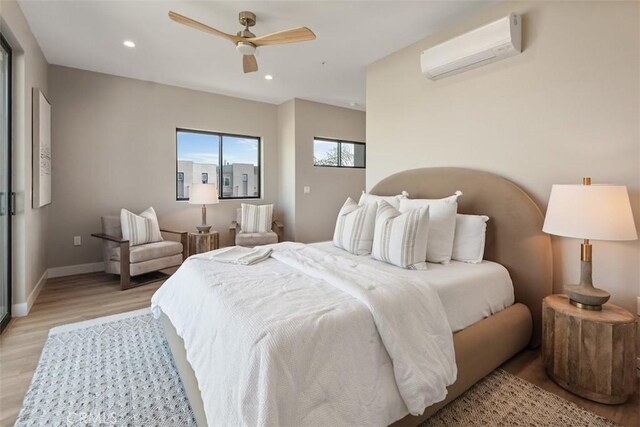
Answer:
x=41 y=134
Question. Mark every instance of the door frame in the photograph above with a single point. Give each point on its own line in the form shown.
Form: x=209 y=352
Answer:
x=5 y=45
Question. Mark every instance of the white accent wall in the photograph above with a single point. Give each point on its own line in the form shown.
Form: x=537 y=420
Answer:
x=567 y=107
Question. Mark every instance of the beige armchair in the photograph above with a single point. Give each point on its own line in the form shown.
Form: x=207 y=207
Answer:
x=255 y=239
x=130 y=261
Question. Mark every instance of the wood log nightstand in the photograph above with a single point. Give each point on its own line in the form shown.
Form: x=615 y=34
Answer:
x=203 y=242
x=590 y=353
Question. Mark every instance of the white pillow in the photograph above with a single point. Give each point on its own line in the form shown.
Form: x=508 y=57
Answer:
x=255 y=219
x=140 y=229
x=442 y=224
x=468 y=242
x=394 y=201
x=354 y=227
x=401 y=238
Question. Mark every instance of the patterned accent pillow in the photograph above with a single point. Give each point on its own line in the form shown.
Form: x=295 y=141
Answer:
x=140 y=229
x=256 y=219
x=442 y=224
x=354 y=227
x=401 y=238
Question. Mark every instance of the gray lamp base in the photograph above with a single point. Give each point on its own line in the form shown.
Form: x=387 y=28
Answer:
x=203 y=228
x=586 y=296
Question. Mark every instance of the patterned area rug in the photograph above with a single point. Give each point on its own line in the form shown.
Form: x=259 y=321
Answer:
x=118 y=371
x=115 y=371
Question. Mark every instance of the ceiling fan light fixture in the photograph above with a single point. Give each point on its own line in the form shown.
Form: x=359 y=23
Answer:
x=246 y=48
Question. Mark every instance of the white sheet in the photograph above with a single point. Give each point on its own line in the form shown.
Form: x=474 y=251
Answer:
x=469 y=292
x=273 y=345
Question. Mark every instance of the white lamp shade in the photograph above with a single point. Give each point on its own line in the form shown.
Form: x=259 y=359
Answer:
x=597 y=212
x=203 y=194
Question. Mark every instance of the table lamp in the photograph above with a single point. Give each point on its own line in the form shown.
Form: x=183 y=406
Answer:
x=203 y=194
x=589 y=212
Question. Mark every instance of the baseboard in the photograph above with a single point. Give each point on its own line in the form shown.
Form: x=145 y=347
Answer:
x=22 y=309
x=70 y=270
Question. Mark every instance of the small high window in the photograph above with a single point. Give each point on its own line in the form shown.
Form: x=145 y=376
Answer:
x=339 y=154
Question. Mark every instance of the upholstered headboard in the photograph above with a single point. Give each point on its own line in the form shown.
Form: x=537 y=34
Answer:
x=514 y=232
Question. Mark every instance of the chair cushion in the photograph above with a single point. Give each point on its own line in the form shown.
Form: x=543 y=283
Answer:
x=256 y=239
x=138 y=268
x=149 y=251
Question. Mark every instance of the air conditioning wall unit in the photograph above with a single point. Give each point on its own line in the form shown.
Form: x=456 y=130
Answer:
x=492 y=42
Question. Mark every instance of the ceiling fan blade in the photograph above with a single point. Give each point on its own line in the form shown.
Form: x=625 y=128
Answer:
x=294 y=35
x=202 y=27
x=249 y=63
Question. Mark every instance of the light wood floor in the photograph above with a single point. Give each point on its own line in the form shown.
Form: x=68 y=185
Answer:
x=77 y=298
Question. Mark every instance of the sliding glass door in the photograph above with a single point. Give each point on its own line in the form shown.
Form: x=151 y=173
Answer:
x=5 y=183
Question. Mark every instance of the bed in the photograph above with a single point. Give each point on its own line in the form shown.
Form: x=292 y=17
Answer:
x=510 y=318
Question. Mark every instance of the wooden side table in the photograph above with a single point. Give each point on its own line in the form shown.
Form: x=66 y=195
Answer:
x=203 y=242
x=590 y=353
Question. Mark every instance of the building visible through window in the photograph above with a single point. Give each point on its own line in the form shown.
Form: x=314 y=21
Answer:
x=180 y=185
x=201 y=156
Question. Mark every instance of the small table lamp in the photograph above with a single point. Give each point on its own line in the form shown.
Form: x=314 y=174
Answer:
x=203 y=194
x=597 y=212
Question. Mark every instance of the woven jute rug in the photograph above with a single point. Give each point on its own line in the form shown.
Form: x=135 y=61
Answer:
x=502 y=399
x=118 y=371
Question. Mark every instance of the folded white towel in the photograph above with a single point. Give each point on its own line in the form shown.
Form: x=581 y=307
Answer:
x=238 y=255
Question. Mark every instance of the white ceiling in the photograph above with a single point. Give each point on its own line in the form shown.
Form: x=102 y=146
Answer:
x=331 y=69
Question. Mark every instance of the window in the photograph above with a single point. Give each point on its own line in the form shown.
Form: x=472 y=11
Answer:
x=234 y=161
x=340 y=154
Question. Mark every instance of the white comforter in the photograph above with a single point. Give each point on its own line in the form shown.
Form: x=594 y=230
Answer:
x=309 y=338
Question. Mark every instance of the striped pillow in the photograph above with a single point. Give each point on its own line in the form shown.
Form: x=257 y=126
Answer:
x=256 y=219
x=401 y=238
x=394 y=201
x=354 y=227
x=442 y=224
x=140 y=229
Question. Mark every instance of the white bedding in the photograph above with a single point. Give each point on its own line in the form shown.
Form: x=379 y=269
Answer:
x=309 y=338
x=469 y=292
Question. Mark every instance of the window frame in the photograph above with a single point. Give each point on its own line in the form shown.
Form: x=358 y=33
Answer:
x=220 y=180
x=4 y=322
x=340 y=142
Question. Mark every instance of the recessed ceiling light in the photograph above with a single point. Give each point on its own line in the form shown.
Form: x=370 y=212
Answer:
x=129 y=43
x=353 y=104
x=268 y=77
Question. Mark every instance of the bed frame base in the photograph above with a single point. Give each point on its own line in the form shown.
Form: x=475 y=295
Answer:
x=480 y=349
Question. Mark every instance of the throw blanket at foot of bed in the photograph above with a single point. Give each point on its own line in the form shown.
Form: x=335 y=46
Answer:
x=309 y=338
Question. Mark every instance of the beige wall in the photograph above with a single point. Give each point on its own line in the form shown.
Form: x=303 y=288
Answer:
x=114 y=146
x=29 y=225
x=287 y=167
x=315 y=214
x=567 y=107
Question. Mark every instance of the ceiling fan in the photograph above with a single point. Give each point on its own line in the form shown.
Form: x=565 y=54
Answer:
x=246 y=42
